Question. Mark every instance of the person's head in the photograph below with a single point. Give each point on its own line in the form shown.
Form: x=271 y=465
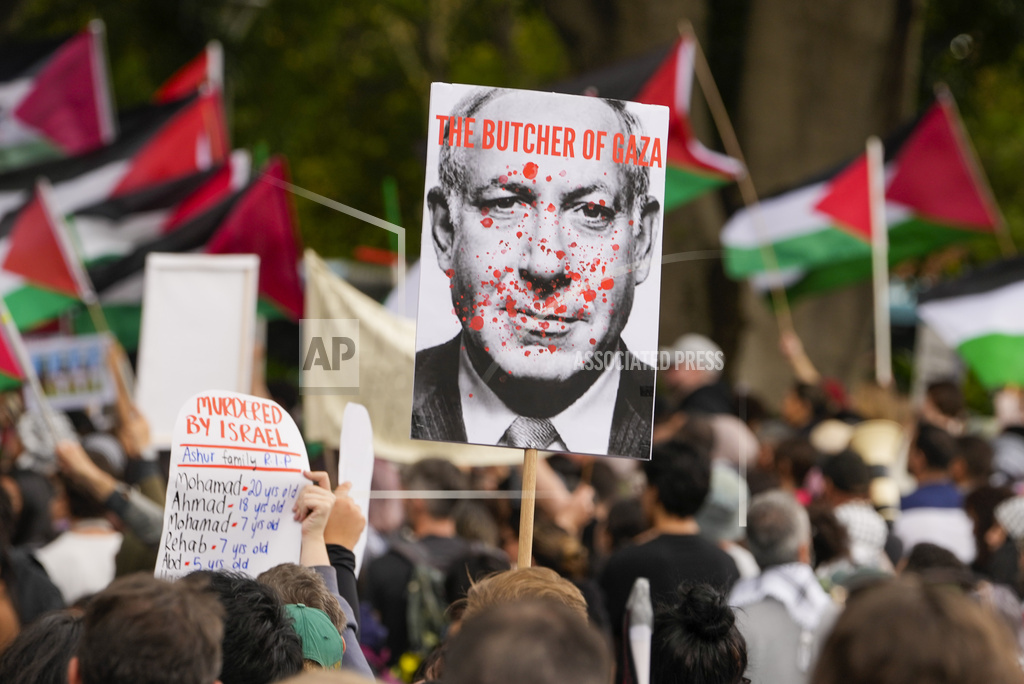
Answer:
x=678 y=480
x=908 y=630
x=299 y=584
x=972 y=465
x=322 y=645
x=144 y=630
x=943 y=405
x=980 y=506
x=778 y=530
x=847 y=477
x=260 y=645
x=625 y=520
x=80 y=502
x=432 y=475
x=40 y=653
x=527 y=641
x=804 y=405
x=933 y=452
x=693 y=364
x=539 y=584
x=696 y=640
x=719 y=517
x=794 y=458
x=936 y=564
x=544 y=252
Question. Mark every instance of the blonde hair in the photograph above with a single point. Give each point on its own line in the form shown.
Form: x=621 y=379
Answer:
x=539 y=584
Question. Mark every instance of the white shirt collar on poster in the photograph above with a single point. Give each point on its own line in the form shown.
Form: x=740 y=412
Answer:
x=584 y=427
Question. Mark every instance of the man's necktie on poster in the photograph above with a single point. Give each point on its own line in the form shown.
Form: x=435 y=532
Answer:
x=531 y=433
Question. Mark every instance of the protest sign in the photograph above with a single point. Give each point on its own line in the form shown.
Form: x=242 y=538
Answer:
x=73 y=371
x=236 y=470
x=355 y=464
x=539 y=302
x=198 y=332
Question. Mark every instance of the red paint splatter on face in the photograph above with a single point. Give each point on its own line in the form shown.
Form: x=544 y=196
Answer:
x=530 y=170
x=485 y=210
x=552 y=348
x=450 y=273
x=562 y=173
x=560 y=254
x=575 y=276
x=544 y=325
x=526 y=353
x=593 y=341
x=601 y=202
x=551 y=207
x=487 y=223
x=549 y=302
x=503 y=179
x=590 y=295
x=548 y=179
x=477 y=323
x=519 y=234
x=497 y=273
x=615 y=247
x=561 y=309
x=470 y=395
x=607 y=283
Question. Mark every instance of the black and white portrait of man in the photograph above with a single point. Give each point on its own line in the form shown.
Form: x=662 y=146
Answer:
x=541 y=259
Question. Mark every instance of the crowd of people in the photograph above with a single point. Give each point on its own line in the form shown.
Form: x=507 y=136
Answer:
x=852 y=538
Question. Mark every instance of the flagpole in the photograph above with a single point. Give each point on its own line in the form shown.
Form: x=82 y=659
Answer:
x=27 y=367
x=879 y=261
x=1003 y=237
x=748 y=192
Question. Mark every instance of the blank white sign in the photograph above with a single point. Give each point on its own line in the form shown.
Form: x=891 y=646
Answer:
x=198 y=330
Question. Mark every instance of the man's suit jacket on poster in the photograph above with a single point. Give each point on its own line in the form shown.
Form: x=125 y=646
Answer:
x=437 y=408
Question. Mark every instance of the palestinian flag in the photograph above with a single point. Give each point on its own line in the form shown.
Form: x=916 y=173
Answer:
x=982 y=316
x=206 y=70
x=11 y=374
x=158 y=144
x=112 y=230
x=42 y=276
x=55 y=99
x=259 y=219
x=666 y=78
x=935 y=195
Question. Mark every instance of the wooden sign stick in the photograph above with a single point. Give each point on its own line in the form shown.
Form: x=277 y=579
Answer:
x=528 y=503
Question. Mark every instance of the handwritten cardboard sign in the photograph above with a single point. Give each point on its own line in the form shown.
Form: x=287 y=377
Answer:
x=236 y=470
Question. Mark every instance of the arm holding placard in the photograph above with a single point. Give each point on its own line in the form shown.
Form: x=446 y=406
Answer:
x=313 y=509
x=342 y=533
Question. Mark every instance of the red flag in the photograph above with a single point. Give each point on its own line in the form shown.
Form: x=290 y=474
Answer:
x=937 y=176
x=262 y=222
x=847 y=200
x=69 y=102
x=206 y=69
x=196 y=138
x=9 y=365
x=40 y=251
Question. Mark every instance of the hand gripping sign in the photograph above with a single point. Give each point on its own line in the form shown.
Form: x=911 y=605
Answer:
x=236 y=470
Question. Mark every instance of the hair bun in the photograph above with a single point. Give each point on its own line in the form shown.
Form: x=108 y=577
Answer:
x=704 y=612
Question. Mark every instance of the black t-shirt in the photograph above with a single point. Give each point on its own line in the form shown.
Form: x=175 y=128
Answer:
x=666 y=561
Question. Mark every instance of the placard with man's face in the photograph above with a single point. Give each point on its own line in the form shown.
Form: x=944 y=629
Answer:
x=538 y=314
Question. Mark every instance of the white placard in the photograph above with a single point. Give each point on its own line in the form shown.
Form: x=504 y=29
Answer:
x=236 y=470
x=540 y=274
x=198 y=330
x=355 y=464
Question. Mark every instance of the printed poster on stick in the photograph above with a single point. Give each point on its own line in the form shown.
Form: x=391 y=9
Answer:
x=236 y=470
x=537 y=324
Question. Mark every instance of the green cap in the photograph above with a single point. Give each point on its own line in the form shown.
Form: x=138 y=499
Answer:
x=321 y=642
